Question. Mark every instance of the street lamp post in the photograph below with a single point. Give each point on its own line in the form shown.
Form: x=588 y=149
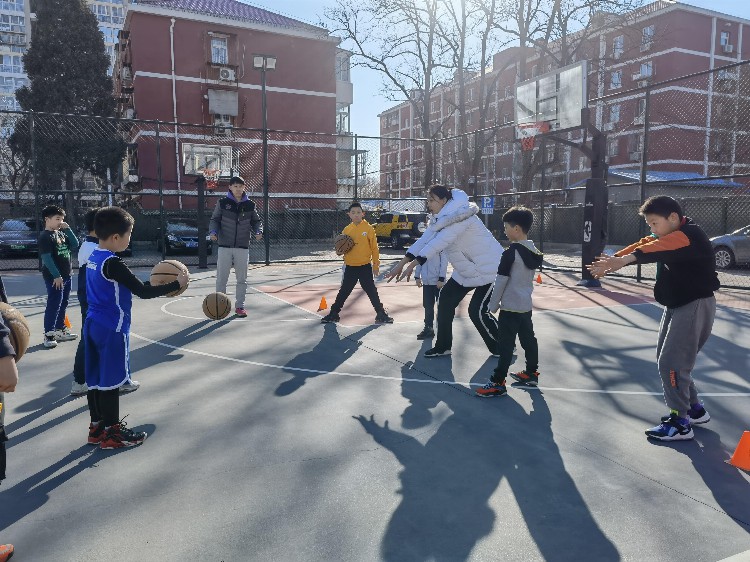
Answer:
x=265 y=63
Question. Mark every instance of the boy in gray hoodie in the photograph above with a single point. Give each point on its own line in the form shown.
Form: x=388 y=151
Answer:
x=511 y=295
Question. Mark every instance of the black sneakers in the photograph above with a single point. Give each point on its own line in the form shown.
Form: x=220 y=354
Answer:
x=697 y=416
x=383 y=318
x=120 y=435
x=331 y=317
x=435 y=352
x=427 y=334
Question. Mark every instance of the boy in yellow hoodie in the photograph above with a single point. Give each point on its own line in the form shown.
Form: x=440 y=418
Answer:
x=361 y=263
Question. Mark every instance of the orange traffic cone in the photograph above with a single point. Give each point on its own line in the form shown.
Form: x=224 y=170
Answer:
x=323 y=304
x=67 y=322
x=539 y=278
x=741 y=456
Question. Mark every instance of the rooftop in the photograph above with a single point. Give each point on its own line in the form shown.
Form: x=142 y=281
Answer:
x=230 y=9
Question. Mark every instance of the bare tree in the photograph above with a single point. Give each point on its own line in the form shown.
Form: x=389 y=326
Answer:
x=15 y=165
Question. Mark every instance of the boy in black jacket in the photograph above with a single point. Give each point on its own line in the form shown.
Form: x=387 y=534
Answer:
x=685 y=283
x=233 y=221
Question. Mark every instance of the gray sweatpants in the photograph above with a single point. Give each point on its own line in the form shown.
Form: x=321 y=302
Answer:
x=682 y=333
x=240 y=257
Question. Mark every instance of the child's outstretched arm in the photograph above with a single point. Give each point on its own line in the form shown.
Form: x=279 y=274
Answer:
x=116 y=270
x=501 y=281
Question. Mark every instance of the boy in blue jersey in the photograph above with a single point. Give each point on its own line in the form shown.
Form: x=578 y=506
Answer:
x=110 y=286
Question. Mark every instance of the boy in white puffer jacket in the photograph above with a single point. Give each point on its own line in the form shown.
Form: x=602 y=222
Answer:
x=474 y=254
x=431 y=278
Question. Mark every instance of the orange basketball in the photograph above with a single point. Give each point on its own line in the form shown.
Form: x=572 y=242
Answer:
x=19 y=329
x=167 y=271
x=217 y=306
x=343 y=243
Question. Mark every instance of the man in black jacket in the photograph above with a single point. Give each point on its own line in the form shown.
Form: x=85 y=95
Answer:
x=233 y=221
x=685 y=283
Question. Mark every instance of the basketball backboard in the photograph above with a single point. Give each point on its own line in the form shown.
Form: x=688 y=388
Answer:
x=199 y=157
x=555 y=98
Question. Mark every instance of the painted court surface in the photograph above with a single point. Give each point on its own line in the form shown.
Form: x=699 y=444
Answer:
x=278 y=438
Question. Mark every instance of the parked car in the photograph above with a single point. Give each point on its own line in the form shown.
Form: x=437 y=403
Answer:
x=732 y=249
x=181 y=235
x=400 y=228
x=18 y=236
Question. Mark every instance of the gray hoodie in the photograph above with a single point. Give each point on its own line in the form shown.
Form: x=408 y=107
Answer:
x=515 y=277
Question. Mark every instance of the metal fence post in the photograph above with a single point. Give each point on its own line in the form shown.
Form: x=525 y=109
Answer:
x=34 y=185
x=542 y=179
x=162 y=232
x=644 y=168
x=356 y=167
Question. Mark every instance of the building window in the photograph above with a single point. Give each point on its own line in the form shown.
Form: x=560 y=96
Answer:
x=508 y=91
x=614 y=113
x=223 y=120
x=534 y=71
x=641 y=108
x=433 y=106
x=11 y=64
x=219 y=50
x=507 y=118
x=505 y=172
x=118 y=16
x=724 y=38
x=618 y=46
x=342 y=66
x=615 y=80
x=647 y=37
x=613 y=147
x=581 y=162
x=647 y=69
x=506 y=147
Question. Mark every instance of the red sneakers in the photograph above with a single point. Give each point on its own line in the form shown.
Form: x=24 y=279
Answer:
x=240 y=312
x=492 y=389
x=96 y=433
x=6 y=552
x=119 y=436
x=529 y=379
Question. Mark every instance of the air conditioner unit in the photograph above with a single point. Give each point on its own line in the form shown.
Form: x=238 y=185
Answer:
x=642 y=83
x=227 y=74
x=646 y=46
x=637 y=76
x=729 y=49
x=223 y=131
x=726 y=75
x=129 y=113
x=126 y=74
x=635 y=155
x=132 y=178
x=639 y=120
x=608 y=126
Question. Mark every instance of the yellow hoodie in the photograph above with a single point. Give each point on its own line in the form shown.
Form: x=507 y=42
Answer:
x=365 y=247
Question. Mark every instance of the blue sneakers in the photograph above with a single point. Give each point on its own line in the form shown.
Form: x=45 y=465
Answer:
x=674 y=429
x=697 y=416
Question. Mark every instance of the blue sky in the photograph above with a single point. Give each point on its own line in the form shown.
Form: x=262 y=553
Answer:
x=367 y=84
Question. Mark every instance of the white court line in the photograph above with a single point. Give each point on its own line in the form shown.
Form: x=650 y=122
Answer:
x=399 y=379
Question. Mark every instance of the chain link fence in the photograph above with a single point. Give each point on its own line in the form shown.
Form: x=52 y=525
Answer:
x=657 y=143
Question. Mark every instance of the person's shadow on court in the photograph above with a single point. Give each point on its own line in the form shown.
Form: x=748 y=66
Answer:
x=327 y=355
x=708 y=455
x=447 y=483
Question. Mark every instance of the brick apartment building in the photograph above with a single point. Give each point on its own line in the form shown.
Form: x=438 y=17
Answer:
x=192 y=61
x=696 y=127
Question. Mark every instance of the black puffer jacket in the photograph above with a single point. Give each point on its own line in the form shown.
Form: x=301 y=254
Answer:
x=235 y=222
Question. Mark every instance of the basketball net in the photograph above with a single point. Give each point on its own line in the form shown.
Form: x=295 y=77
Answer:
x=212 y=178
x=527 y=133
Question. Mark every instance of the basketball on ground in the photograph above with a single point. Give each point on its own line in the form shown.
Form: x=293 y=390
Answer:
x=167 y=271
x=217 y=306
x=19 y=329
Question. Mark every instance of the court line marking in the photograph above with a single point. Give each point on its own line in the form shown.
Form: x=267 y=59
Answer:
x=400 y=379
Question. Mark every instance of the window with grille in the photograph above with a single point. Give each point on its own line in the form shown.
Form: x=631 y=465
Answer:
x=219 y=50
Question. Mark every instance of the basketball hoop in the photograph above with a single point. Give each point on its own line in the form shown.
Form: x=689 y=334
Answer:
x=212 y=178
x=528 y=131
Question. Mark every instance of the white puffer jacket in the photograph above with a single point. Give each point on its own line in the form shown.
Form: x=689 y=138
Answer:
x=469 y=246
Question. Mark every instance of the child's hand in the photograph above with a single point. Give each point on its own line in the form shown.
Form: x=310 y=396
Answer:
x=58 y=283
x=8 y=374
x=259 y=236
x=418 y=281
x=183 y=277
x=214 y=238
x=64 y=225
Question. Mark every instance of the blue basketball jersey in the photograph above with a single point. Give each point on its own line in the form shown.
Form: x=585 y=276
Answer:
x=110 y=302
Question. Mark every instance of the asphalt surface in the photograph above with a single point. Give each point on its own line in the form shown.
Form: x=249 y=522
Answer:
x=278 y=438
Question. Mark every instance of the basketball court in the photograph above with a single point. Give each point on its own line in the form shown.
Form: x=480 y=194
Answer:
x=278 y=438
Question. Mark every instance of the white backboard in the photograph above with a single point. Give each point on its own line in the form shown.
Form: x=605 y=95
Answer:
x=556 y=98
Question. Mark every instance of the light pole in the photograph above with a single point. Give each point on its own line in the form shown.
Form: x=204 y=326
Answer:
x=265 y=63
